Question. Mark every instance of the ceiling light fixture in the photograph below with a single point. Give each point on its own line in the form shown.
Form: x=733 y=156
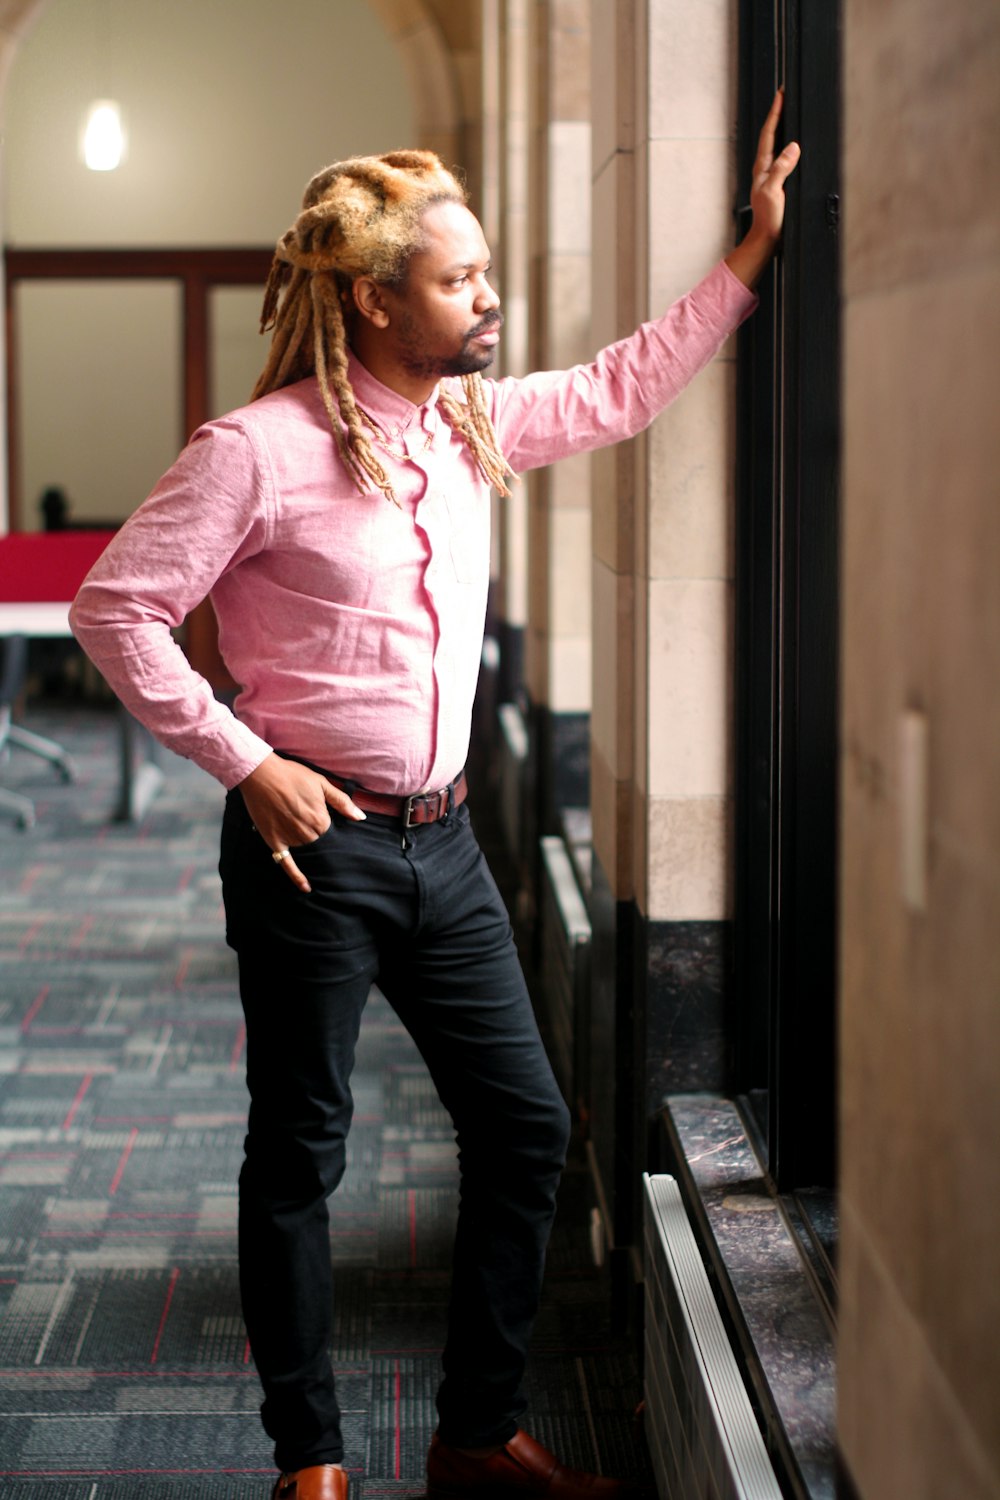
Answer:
x=103 y=136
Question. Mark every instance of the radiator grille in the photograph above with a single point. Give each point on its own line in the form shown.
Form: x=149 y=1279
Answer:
x=702 y=1432
x=513 y=768
x=565 y=988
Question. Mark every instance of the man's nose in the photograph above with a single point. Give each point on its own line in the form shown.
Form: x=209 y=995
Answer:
x=487 y=297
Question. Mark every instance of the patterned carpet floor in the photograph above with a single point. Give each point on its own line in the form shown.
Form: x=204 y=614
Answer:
x=124 y=1367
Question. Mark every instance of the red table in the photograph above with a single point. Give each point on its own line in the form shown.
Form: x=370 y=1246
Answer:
x=47 y=567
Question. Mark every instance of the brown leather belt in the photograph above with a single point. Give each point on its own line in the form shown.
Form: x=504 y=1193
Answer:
x=422 y=807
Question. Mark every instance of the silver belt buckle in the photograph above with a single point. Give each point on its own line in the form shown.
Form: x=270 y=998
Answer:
x=408 y=821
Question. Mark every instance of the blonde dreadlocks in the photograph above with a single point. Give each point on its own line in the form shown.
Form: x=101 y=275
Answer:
x=360 y=217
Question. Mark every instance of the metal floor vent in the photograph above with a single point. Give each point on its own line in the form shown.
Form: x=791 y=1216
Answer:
x=703 y=1435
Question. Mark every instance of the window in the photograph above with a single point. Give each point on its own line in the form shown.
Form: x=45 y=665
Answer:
x=784 y=1025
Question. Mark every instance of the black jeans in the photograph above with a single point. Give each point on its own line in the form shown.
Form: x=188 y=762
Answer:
x=424 y=920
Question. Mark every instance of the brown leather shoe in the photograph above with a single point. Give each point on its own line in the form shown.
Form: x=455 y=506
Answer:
x=321 y=1482
x=522 y=1468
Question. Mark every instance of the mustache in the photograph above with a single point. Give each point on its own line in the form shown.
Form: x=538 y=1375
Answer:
x=491 y=320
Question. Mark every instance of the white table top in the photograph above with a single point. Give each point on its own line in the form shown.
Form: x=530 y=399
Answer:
x=35 y=620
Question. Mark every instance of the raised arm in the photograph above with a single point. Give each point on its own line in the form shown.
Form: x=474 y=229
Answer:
x=549 y=415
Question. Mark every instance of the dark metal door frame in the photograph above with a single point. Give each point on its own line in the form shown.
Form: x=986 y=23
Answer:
x=784 y=1034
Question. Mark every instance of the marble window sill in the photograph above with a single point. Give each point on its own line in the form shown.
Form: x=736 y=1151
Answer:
x=768 y=1258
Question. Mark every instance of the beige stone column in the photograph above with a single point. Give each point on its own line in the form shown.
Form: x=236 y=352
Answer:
x=615 y=303
x=685 y=478
x=558 y=641
x=511 y=261
x=663 y=512
x=662 y=572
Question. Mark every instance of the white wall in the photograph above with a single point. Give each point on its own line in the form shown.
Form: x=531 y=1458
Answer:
x=230 y=105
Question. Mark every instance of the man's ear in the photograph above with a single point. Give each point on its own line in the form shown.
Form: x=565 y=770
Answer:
x=369 y=301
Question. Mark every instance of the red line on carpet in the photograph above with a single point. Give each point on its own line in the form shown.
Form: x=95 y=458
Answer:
x=175 y=1277
x=123 y=1162
x=36 y=1005
x=88 y=1079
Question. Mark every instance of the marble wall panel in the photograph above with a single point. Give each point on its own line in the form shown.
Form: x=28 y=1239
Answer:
x=569 y=178
x=690 y=860
x=691 y=466
x=903 y=1429
x=690 y=687
x=567 y=312
x=569 y=562
x=569 y=487
x=538 y=545
x=690 y=224
x=604 y=503
x=603 y=800
x=613 y=604
x=920 y=1028
x=922 y=629
x=692 y=84
x=612 y=79
x=613 y=291
x=570 y=22
x=569 y=674
x=921 y=139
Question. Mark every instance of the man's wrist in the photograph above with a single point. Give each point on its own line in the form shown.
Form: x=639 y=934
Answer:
x=751 y=257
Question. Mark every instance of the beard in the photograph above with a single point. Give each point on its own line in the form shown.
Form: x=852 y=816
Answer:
x=468 y=360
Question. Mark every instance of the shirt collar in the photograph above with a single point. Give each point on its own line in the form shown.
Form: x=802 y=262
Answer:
x=393 y=412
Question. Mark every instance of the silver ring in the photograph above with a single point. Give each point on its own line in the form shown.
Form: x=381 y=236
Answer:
x=279 y=854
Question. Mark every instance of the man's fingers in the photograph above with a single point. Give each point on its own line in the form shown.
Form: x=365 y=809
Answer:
x=337 y=798
x=782 y=167
x=295 y=875
x=786 y=163
x=765 y=141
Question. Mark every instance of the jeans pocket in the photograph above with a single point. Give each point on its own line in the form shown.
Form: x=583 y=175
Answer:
x=318 y=843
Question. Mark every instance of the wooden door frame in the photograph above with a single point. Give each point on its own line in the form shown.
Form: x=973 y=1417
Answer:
x=197 y=271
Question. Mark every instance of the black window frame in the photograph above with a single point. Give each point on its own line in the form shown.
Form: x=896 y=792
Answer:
x=783 y=1036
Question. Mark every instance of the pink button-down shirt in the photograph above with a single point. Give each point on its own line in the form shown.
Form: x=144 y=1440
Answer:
x=353 y=627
